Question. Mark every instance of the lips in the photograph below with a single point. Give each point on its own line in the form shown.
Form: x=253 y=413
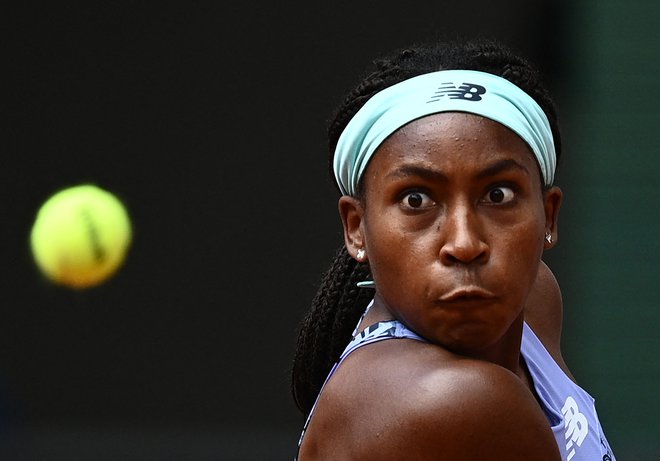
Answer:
x=463 y=294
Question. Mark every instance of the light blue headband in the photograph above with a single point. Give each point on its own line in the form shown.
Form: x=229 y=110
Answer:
x=470 y=91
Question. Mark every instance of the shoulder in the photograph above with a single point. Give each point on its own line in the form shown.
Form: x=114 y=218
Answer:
x=544 y=307
x=424 y=403
x=544 y=313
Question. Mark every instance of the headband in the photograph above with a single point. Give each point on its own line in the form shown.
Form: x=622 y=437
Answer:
x=469 y=91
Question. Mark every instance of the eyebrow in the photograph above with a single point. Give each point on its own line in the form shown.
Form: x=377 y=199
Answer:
x=436 y=175
x=414 y=170
x=501 y=166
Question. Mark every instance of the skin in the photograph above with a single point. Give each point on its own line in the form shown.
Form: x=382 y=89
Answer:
x=452 y=220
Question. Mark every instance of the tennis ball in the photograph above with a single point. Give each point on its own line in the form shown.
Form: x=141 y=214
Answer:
x=80 y=236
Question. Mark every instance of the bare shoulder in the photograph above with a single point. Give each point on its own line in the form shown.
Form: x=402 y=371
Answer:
x=544 y=313
x=415 y=401
x=544 y=308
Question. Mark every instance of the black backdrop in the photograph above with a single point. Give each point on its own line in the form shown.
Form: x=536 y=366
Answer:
x=207 y=119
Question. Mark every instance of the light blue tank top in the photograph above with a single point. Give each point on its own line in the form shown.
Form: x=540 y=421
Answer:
x=570 y=410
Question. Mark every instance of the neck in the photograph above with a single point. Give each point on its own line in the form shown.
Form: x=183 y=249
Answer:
x=506 y=352
x=377 y=313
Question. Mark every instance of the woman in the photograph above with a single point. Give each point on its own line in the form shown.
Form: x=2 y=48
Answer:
x=445 y=158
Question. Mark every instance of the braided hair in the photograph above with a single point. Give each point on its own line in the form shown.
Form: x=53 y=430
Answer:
x=326 y=328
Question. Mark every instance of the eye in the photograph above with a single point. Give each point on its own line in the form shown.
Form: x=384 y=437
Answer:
x=500 y=194
x=417 y=200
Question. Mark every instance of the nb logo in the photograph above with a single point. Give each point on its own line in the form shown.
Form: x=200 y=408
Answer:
x=466 y=91
x=575 y=425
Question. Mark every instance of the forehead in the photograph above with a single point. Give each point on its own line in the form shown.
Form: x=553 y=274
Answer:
x=454 y=141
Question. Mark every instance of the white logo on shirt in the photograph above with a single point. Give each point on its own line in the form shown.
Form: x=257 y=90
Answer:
x=575 y=425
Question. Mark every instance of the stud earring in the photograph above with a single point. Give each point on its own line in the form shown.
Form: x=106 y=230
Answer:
x=360 y=254
x=548 y=237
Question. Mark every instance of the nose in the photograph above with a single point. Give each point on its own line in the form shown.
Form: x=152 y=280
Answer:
x=462 y=238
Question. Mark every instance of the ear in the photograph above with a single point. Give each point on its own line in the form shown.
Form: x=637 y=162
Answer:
x=552 y=202
x=352 y=212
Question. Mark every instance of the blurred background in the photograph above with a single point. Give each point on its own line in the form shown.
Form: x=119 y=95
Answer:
x=207 y=119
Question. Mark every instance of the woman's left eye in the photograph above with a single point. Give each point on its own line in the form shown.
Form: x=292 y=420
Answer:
x=499 y=194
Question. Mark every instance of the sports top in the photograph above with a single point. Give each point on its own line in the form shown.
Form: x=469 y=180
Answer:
x=570 y=409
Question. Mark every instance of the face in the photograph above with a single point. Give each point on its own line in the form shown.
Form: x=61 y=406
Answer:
x=453 y=220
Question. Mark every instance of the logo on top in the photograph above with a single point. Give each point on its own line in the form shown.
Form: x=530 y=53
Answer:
x=466 y=91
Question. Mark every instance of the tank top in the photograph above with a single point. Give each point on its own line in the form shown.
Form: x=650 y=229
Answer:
x=570 y=410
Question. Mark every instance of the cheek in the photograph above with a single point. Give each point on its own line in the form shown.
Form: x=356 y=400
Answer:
x=524 y=238
x=524 y=228
x=517 y=254
x=393 y=253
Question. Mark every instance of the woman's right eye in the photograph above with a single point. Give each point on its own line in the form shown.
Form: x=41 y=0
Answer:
x=417 y=200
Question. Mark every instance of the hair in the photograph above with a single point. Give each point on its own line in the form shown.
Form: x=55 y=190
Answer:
x=327 y=327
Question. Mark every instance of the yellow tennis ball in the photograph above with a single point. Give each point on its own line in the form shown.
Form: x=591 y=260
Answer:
x=80 y=236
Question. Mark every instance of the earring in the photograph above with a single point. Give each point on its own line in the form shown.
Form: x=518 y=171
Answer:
x=360 y=255
x=548 y=237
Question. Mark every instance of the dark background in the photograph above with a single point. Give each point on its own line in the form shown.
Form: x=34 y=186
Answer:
x=208 y=120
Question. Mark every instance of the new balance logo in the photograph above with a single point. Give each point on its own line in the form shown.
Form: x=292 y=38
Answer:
x=467 y=91
x=575 y=425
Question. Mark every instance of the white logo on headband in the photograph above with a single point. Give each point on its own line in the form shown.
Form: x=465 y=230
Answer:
x=466 y=91
x=436 y=92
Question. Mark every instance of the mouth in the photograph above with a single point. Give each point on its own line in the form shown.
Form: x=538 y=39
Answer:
x=466 y=294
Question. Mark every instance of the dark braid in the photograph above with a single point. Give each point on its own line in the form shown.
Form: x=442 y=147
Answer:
x=338 y=305
x=328 y=325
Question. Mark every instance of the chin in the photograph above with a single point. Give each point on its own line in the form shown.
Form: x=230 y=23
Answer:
x=471 y=341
